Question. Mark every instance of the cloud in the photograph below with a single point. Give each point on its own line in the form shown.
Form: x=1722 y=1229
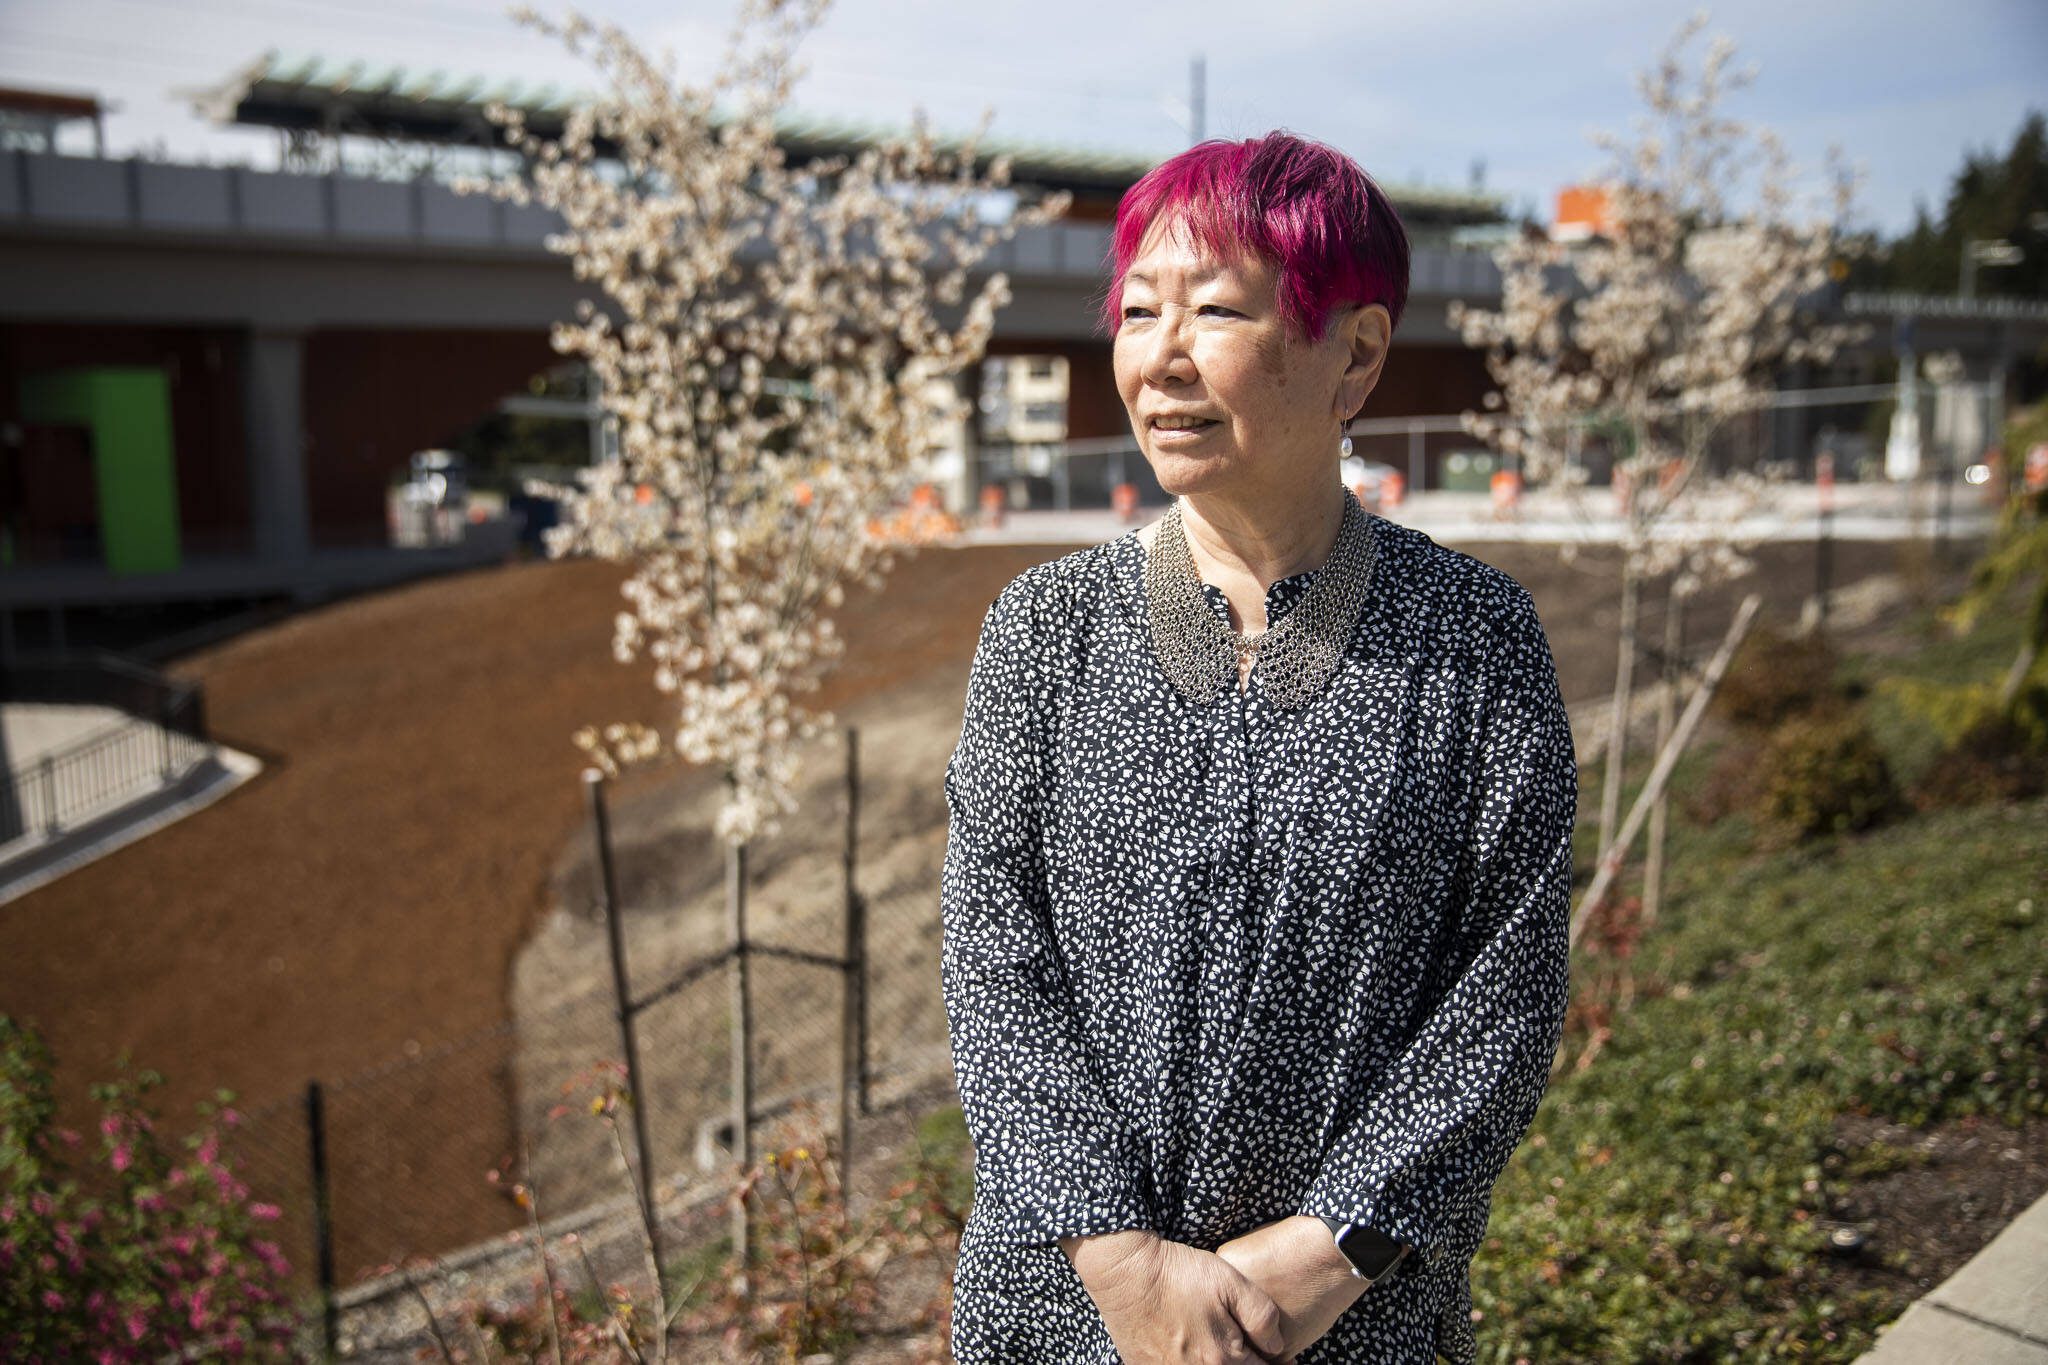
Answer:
x=1407 y=88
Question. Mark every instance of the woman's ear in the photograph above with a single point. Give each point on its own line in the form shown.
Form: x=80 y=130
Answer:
x=1368 y=331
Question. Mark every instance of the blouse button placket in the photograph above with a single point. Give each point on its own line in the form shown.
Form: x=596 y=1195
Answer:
x=1226 y=959
x=1245 y=726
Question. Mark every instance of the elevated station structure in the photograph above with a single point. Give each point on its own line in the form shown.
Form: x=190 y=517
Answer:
x=279 y=342
x=210 y=375
x=412 y=121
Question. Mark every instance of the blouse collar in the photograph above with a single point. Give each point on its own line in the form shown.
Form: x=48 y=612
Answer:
x=1281 y=594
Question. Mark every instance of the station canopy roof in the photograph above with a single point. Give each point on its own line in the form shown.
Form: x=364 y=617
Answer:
x=313 y=94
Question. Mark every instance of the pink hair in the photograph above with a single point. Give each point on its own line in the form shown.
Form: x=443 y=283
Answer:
x=1301 y=206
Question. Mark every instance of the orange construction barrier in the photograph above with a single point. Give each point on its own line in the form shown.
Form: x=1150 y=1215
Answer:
x=1993 y=490
x=1124 y=498
x=1507 y=490
x=1393 y=488
x=993 y=505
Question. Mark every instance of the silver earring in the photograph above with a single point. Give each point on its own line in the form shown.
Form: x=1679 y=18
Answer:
x=1344 y=448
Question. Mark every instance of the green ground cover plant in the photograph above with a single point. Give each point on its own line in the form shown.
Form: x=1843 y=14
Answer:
x=1672 y=1201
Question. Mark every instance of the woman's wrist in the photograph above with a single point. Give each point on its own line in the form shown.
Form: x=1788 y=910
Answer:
x=1321 y=1255
x=1106 y=1248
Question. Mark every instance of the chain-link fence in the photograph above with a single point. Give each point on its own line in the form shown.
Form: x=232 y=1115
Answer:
x=394 y=1163
x=404 y=1150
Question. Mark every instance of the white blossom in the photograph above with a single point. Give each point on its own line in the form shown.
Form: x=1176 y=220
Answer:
x=741 y=510
x=1668 y=325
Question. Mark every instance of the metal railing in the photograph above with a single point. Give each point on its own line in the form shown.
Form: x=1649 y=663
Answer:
x=160 y=739
x=1791 y=427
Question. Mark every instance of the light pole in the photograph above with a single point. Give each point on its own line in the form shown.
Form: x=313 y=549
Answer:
x=1994 y=251
x=1984 y=251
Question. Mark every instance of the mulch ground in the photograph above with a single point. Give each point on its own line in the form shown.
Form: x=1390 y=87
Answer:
x=1944 y=1193
x=364 y=898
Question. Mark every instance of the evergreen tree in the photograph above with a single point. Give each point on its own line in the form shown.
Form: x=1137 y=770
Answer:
x=1992 y=198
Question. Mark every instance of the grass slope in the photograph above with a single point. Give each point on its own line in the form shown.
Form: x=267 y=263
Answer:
x=1672 y=1200
x=1676 y=1197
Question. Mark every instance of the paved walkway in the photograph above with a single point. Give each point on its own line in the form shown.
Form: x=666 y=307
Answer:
x=28 y=730
x=1994 y=1311
x=1860 y=512
x=31 y=857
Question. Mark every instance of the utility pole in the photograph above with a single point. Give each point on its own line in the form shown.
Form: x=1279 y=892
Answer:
x=1193 y=115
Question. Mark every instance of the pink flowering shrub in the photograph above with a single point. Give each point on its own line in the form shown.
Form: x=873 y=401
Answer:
x=811 y=1287
x=171 y=1259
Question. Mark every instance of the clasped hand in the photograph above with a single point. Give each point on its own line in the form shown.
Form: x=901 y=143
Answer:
x=1261 y=1297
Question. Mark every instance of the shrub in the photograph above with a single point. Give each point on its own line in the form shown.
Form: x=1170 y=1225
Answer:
x=1996 y=759
x=810 y=1286
x=170 y=1261
x=1823 y=773
x=1776 y=675
x=1733 y=780
x=806 y=1288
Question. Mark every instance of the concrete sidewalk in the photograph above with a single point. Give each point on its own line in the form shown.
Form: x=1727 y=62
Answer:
x=1861 y=512
x=32 y=857
x=1994 y=1311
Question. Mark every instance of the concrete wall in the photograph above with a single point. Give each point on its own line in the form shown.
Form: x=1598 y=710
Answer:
x=138 y=241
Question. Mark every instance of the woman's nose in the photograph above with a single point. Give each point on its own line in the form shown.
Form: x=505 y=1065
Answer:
x=1166 y=355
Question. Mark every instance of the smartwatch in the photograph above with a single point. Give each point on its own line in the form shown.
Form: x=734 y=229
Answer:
x=1373 y=1254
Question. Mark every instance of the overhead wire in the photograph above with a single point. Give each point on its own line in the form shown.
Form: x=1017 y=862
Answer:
x=68 y=50
x=193 y=65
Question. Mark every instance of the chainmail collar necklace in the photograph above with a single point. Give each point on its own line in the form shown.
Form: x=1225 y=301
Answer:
x=1292 y=659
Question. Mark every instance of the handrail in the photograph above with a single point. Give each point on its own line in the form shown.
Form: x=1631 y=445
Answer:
x=163 y=738
x=86 y=677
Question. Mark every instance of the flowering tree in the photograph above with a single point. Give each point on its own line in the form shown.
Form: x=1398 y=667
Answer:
x=1657 y=333
x=773 y=353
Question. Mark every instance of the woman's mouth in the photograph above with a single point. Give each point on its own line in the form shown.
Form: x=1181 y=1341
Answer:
x=1174 y=435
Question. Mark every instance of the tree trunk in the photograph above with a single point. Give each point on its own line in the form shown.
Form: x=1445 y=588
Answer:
x=1660 y=771
x=1667 y=715
x=2009 y=689
x=1617 y=731
x=742 y=1050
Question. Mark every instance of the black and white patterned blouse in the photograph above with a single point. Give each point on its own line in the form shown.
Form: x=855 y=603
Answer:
x=1208 y=967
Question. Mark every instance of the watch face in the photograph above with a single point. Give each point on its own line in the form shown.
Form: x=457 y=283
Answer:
x=1369 y=1249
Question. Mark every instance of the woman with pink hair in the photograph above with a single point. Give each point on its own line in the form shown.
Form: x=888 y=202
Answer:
x=1255 y=898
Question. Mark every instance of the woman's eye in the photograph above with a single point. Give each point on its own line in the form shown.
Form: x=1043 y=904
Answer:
x=1133 y=311
x=1218 y=308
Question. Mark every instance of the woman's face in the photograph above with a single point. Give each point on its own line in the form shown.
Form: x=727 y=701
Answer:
x=1202 y=337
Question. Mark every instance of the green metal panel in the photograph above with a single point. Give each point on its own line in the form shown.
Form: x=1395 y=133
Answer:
x=127 y=411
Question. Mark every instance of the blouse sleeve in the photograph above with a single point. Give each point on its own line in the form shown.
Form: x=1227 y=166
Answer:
x=1434 y=1131
x=1051 y=1157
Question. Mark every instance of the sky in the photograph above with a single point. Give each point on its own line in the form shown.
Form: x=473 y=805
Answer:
x=1417 y=91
